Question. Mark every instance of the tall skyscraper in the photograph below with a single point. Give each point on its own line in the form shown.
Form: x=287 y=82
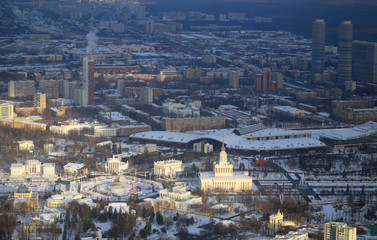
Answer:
x=364 y=61
x=345 y=51
x=318 y=46
x=91 y=81
x=85 y=82
x=339 y=231
x=85 y=73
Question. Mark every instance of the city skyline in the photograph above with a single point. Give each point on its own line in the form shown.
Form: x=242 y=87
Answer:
x=188 y=119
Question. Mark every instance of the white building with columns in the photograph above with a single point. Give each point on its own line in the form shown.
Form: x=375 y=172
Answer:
x=32 y=168
x=223 y=178
x=115 y=164
x=167 y=168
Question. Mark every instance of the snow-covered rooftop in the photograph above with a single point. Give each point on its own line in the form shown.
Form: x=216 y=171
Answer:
x=363 y=130
x=231 y=140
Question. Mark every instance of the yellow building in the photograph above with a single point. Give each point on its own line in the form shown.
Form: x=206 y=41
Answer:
x=23 y=194
x=276 y=221
x=223 y=178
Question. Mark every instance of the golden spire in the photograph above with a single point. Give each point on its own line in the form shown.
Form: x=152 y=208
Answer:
x=223 y=147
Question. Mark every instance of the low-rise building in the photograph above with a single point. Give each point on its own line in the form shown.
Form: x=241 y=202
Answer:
x=167 y=168
x=25 y=145
x=178 y=198
x=69 y=128
x=32 y=168
x=72 y=169
x=115 y=164
x=127 y=130
x=299 y=235
x=290 y=111
x=139 y=148
x=63 y=200
x=203 y=147
x=105 y=131
x=25 y=195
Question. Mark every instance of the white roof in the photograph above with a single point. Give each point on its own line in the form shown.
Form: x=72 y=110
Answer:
x=231 y=140
x=363 y=130
x=76 y=166
x=275 y=131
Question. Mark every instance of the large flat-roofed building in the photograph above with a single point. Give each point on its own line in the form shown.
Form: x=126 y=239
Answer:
x=223 y=178
x=23 y=124
x=21 y=88
x=189 y=124
x=169 y=75
x=339 y=231
x=277 y=133
x=233 y=141
x=32 y=168
x=105 y=131
x=354 y=112
x=71 y=127
x=290 y=111
x=127 y=130
x=355 y=115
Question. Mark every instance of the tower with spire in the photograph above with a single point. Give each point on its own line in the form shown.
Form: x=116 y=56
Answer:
x=222 y=178
x=223 y=168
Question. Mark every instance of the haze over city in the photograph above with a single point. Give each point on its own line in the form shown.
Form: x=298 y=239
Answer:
x=166 y=119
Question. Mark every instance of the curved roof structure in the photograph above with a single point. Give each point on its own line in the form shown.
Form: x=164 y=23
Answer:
x=360 y=131
x=231 y=140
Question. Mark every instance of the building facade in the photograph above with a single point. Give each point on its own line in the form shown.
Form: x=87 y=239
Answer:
x=167 y=168
x=115 y=165
x=318 y=45
x=21 y=88
x=146 y=94
x=32 y=168
x=234 y=79
x=188 y=124
x=364 y=61
x=223 y=178
x=39 y=100
x=6 y=110
x=345 y=51
x=339 y=231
